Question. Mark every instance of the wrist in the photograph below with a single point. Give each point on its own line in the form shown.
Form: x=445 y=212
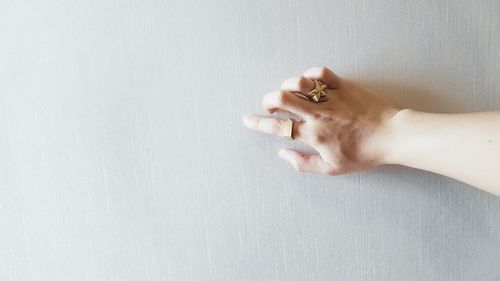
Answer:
x=378 y=148
x=397 y=136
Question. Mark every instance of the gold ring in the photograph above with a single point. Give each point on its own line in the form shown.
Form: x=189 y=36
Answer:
x=288 y=129
x=318 y=92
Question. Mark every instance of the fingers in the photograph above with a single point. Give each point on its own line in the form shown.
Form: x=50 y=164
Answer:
x=304 y=162
x=325 y=75
x=299 y=84
x=272 y=126
x=287 y=101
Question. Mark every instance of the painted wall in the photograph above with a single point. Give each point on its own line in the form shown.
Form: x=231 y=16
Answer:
x=123 y=155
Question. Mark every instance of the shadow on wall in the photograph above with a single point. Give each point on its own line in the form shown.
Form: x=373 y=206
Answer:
x=429 y=98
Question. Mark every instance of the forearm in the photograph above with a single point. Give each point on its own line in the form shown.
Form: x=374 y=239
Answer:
x=465 y=147
x=354 y=129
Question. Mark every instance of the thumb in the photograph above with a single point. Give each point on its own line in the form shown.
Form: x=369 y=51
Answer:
x=306 y=162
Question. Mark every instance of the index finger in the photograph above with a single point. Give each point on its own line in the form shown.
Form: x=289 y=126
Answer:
x=273 y=126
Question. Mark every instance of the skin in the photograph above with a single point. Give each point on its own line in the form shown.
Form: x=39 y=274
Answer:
x=354 y=129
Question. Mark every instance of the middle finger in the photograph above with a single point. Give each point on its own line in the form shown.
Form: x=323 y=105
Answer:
x=298 y=84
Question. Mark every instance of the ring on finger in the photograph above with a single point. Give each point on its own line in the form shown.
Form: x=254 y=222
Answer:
x=317 y=92
x=288 y=129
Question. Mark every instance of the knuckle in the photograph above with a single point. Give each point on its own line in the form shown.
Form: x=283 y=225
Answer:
x=302 y=82
x=299 y=163
x=318 y=116
x=283 y=98
x=323 y=71
x=317 y=138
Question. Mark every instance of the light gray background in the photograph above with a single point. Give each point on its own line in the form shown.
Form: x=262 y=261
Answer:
x=123 y=155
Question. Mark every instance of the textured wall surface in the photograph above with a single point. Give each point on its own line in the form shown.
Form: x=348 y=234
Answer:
x=123 y=155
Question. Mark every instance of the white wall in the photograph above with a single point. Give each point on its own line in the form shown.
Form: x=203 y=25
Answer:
x=123 y=155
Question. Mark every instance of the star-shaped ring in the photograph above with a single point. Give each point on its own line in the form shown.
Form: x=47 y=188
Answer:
x=318 y=92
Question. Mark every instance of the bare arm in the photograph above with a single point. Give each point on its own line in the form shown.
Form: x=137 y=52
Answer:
x=465 y=147
x=354 y=129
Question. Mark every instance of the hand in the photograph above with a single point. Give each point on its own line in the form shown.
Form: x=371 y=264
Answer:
x=348 y=128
